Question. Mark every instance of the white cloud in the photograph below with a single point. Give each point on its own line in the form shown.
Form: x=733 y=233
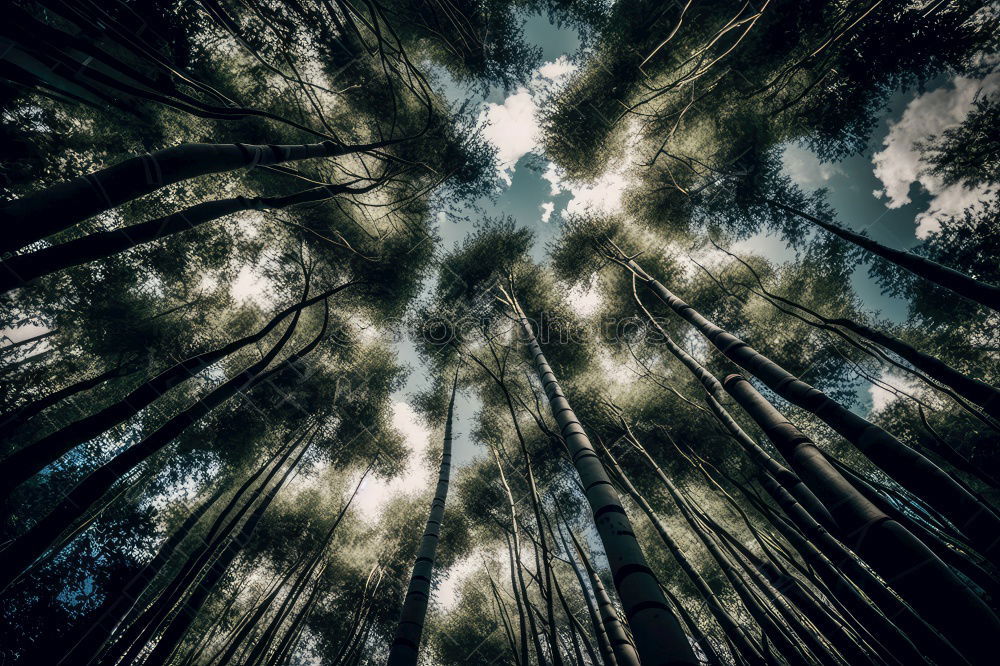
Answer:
x=513 y=126
x=555 y=179
x=602 y=196
x=513 y=129
x=558 y=70
x=414 y=479
x=547 y=208
x=805 y=169
x=882 y=398
x=899 y=164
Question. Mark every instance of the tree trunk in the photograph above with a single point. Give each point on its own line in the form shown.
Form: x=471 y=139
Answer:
x=769 y=625
x=957 y=556
x=701 y=639
x=975 y=290
x=545 y=589
x=19 y=270
x=406 y=644
x=517 y=572
x=94 y=640
x=508 y=626
x=834 y=564
x=517 y=586
x=259 y=653
x=24 y=463
x=968 y=388
x=288 y=642
x=901 y=558
x=249 y=623
x=17 y=417
x=141 y=630
x=621 y=646
x=41 y=214
x=600 y=635
x=907 y=466
x=730 y=627
x=787 y=478
x=577 y=630
x=832 y=626
x=178 y=627
x=23 y=551
x=658 y=634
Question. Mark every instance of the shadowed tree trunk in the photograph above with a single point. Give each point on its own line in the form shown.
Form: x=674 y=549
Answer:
x=508 y=626
x=657 y=633
x=263 y=644
x=957 y=555
x=94 y=640
x=600 y=635
x=142 y=628
x=406 y=645
x=499 y=378
x=576 y=630
x=714 y=393
x=35 y=216
x=23 y=551
x=730 y=627
x=819 y=547
x=908 y=467
x=835 y=576
x=895 y=553
x=701 y=639
x=31 y=459
x=770 y=625
x=975 y=290
x=788 y=479
x=618 y=640
x=17 y=417
x=969 y=388
x=832 y=626
x=185 y=616
x=248 y=624
x=22 y=269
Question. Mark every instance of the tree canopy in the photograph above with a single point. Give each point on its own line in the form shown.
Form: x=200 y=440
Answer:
x=238 y=337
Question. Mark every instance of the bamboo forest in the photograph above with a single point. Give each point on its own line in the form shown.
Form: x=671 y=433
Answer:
x=540 y=332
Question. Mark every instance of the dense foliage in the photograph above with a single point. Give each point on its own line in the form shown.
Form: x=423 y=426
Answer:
x=222 y=216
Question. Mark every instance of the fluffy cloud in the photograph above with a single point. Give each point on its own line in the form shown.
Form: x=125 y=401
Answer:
x=805 y=169
x=547 y=209
x=557 y=71
x=513 y=126
x=555 y=179
x=602 y=196
x=899 y=164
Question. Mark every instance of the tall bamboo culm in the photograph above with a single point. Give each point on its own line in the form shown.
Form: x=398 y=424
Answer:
x=659 y=637
x=406 y=644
